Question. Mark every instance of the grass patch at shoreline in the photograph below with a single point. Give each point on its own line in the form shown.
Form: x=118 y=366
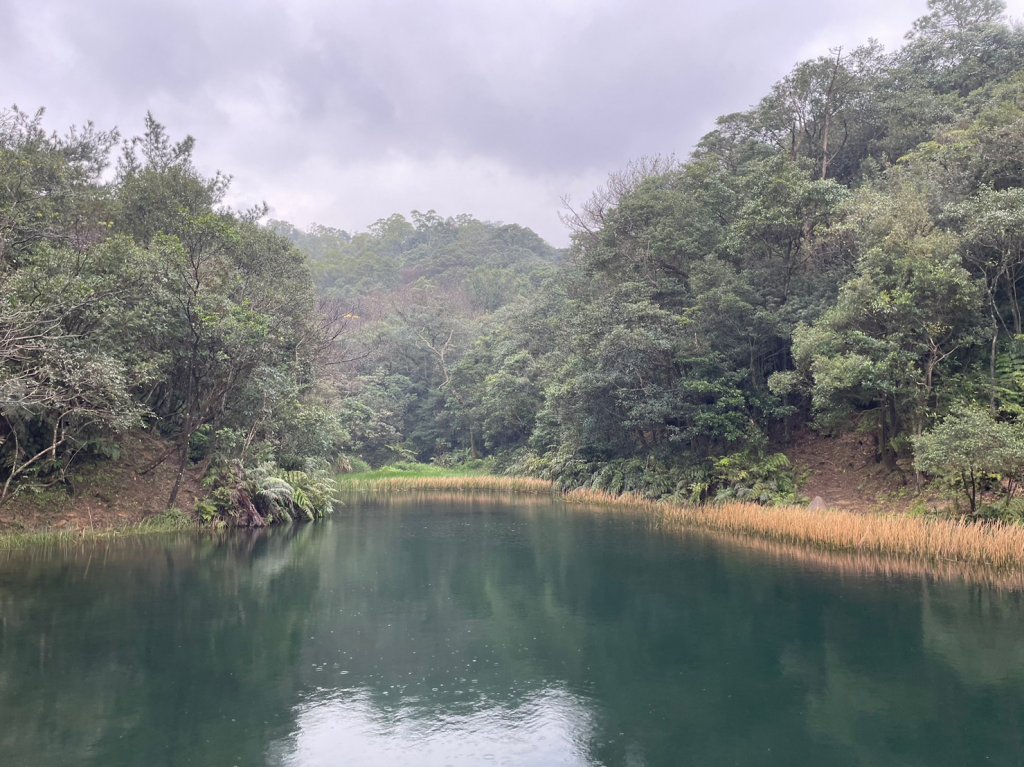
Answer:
x=995 y=545
x=409 y=477
x=168 y=522
x=408 y=471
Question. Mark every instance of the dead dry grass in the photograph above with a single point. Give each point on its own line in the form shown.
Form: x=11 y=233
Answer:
x=882 y=543
x=454 y=484
x=855 y=564
x=996 y=545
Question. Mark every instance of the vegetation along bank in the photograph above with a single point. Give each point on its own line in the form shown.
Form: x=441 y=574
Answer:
x=841 y=263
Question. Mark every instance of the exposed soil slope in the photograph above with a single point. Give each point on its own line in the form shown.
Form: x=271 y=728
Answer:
x=843 y=471
x=107 y=494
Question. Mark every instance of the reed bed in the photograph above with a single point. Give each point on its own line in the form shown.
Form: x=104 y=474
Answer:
x=857 y=565
x=994 y=545
x=878 y=543
x=452 y=484
x=172 y=522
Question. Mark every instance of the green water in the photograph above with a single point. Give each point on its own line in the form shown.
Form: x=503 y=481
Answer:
x=425 y=633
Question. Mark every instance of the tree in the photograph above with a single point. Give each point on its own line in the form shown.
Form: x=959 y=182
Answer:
x=824 y=110
x=969 y=449
x=961 y=44
x=993 y=227
x=50 y=190
x=897 y=326
x=61 y=387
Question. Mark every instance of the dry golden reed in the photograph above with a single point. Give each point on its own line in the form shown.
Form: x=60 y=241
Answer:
x=997 y=545
x=952 y=547
x=856 y=564
x=454 y=484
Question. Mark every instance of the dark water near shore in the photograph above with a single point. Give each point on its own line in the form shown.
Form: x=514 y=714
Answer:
x=430 y=633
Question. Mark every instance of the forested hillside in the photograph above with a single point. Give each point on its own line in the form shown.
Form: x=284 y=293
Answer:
x=142 y=303
x=846 y=255
x=415 y=296
x=487 y=264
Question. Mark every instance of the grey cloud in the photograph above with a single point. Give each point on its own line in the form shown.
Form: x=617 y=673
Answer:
x=552 y=91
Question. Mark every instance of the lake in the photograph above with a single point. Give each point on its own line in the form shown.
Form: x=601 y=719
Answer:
x=429 y=630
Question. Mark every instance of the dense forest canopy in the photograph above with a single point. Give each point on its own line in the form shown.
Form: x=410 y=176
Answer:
x=142 y=302
x=842 y=255
x=845 y=255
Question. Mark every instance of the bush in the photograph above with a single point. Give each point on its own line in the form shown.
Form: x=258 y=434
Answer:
x=254 y=497
x=741 y=476
x=971 y=452
x=354 y=465
x=746 y=477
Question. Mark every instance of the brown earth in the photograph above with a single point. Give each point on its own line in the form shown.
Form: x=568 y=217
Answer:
x=106 y=495
x=844 y=473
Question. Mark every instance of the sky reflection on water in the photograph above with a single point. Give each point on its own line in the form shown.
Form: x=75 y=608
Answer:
x=546 y=729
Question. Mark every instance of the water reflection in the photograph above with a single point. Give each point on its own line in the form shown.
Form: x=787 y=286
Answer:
x=477 y=631
x=546 y=729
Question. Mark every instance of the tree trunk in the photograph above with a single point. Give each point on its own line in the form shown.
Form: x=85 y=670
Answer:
x=992 y=368
x=829 y=92
x=182 y=466
x=1014 y=305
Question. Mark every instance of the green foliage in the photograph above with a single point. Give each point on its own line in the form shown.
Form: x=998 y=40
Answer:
x=1010 y=511
x=265 y=494
x=1009 y=389
x=278 y=494
x=748 y=477
x=740 y=476
x=908 y=314
x=144 y=302
x=486 y=264
x=973 y=452
x=847 y=253
x=412 y=470
x=355 y=466
x=293 y=494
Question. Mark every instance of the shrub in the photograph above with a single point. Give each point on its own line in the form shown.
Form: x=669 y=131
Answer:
x=258 y=496
x=970 y=451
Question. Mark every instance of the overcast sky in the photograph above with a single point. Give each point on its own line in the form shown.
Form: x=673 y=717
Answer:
x=341 y=112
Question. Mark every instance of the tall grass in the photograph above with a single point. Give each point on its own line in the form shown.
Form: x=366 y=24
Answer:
x=407 y=471
x=997 y=545
x=169 y=522
x=895 y=537
x=859 y=564
x=446 y=482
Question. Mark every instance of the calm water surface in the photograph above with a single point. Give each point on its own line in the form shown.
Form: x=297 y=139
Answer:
x=493 y=633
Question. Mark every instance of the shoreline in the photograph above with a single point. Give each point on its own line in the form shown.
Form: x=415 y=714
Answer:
x=455 y=483
x=169 y=522
x=942 y=549
x=933 y=544
x=997 y=545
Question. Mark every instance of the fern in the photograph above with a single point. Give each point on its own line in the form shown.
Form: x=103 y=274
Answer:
x=747 y=477
x=295 y=478
x=303 y=502
x=312 y=496
x=276 y=492
x=1009 y=382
